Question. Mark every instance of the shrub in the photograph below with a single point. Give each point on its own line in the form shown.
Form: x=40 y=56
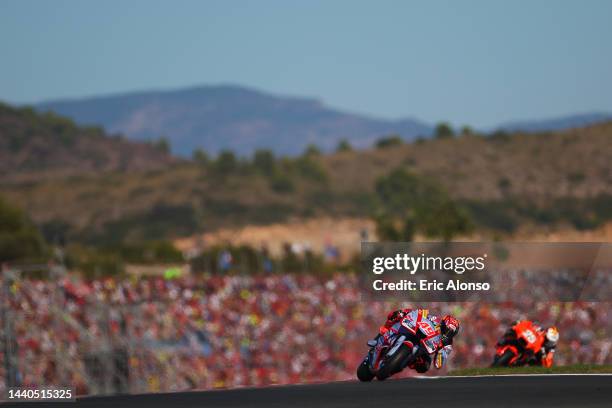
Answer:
x=443 y=130
x=409 y=204
x=389 y=141
x=504 y=183
x=201 y=157
x=312 y=150
x=311 y=169
x=226 y=163
x=576 y=177
x=264 y=162
x=19 y=238
x=281 y=183
x=344 y=146
x=162 y=144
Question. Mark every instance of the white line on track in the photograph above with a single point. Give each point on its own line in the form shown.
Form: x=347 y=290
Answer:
x=516 y=375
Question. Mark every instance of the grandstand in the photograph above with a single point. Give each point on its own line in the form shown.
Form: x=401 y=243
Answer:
x=152 y=334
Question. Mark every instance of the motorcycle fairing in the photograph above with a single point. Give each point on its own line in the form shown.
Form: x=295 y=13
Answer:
x=415 y=321
x=530 y=334
x=431 y=335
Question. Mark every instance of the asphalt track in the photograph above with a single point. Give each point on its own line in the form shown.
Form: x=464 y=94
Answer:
x=459 y=392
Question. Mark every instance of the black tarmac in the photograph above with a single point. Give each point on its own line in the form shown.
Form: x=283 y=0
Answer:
x=449 y=392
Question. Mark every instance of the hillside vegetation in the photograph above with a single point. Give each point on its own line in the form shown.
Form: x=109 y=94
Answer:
x=43 y=145
x=537 y=167
x=118 y=191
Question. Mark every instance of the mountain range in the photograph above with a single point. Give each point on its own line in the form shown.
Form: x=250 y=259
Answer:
x=230 y=117
x=242 y=119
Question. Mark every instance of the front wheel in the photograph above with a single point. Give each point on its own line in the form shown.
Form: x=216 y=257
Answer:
x=504 y=359
x=394 y=363
x=363 y=372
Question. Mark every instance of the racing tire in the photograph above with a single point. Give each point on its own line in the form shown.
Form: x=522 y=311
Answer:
x=504 y=359
x=394 y=364
x=363 y=372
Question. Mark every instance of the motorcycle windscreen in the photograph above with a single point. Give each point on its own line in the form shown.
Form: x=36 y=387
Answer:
x=409 y=321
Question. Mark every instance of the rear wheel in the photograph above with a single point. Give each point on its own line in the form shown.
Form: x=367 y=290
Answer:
x=363 y=372
x=394 y=363
x=504 y=359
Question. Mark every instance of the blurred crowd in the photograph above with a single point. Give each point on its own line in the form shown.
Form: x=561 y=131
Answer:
x=229 y=331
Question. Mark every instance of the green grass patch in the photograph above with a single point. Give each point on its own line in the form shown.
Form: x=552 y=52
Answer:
x=571 y=369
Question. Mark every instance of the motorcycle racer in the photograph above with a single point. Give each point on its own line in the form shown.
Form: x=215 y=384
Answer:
x=546 y=341
x=448 y=326
x=545 y=356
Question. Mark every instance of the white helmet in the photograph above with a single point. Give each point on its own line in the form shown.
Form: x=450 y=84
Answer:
x=552 y=334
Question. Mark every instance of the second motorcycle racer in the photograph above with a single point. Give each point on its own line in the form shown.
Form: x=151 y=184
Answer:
x=526 y=343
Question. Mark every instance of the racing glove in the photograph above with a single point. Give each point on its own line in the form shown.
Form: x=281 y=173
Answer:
x=395 y=315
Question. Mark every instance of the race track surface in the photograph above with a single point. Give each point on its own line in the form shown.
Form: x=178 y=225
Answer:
x=507 y=391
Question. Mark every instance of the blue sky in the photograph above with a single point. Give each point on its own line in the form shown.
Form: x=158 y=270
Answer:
x=473 y=62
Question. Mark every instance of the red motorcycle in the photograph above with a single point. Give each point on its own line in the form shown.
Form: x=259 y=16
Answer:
x=522 y=341
x=411 y=342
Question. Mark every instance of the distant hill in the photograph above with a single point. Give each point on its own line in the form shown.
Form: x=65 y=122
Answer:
x=505 y=180
x=46 y=144
x=242 y=119
x=231 y=117
x=558 y=123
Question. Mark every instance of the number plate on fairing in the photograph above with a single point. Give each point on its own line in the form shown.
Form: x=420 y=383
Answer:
x=432 y=336
x=431 y=343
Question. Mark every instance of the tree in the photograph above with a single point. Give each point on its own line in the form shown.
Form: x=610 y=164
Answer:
x=226 y=163
x=200 y=157
x=344 y=146
x=401 y=191
x=281 y=183
x=312 y=150
x=409 y=204
x=444 y=220
x=504 y=184
x=389 y=141
x=264 y=162
x=163 y=145
x=386 y=230
x=443 y=131
x=500 y=135
x=19 y=238
x=467 y=131
x=310 y=168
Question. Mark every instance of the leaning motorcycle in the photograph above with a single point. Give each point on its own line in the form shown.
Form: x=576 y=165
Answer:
x=522 y=340
x=412 y=339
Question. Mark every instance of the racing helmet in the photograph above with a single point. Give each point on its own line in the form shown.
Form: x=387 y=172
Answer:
x=449 y=324
x=552 y=334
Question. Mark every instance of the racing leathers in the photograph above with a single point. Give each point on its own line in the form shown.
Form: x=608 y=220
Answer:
x=545 y=356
